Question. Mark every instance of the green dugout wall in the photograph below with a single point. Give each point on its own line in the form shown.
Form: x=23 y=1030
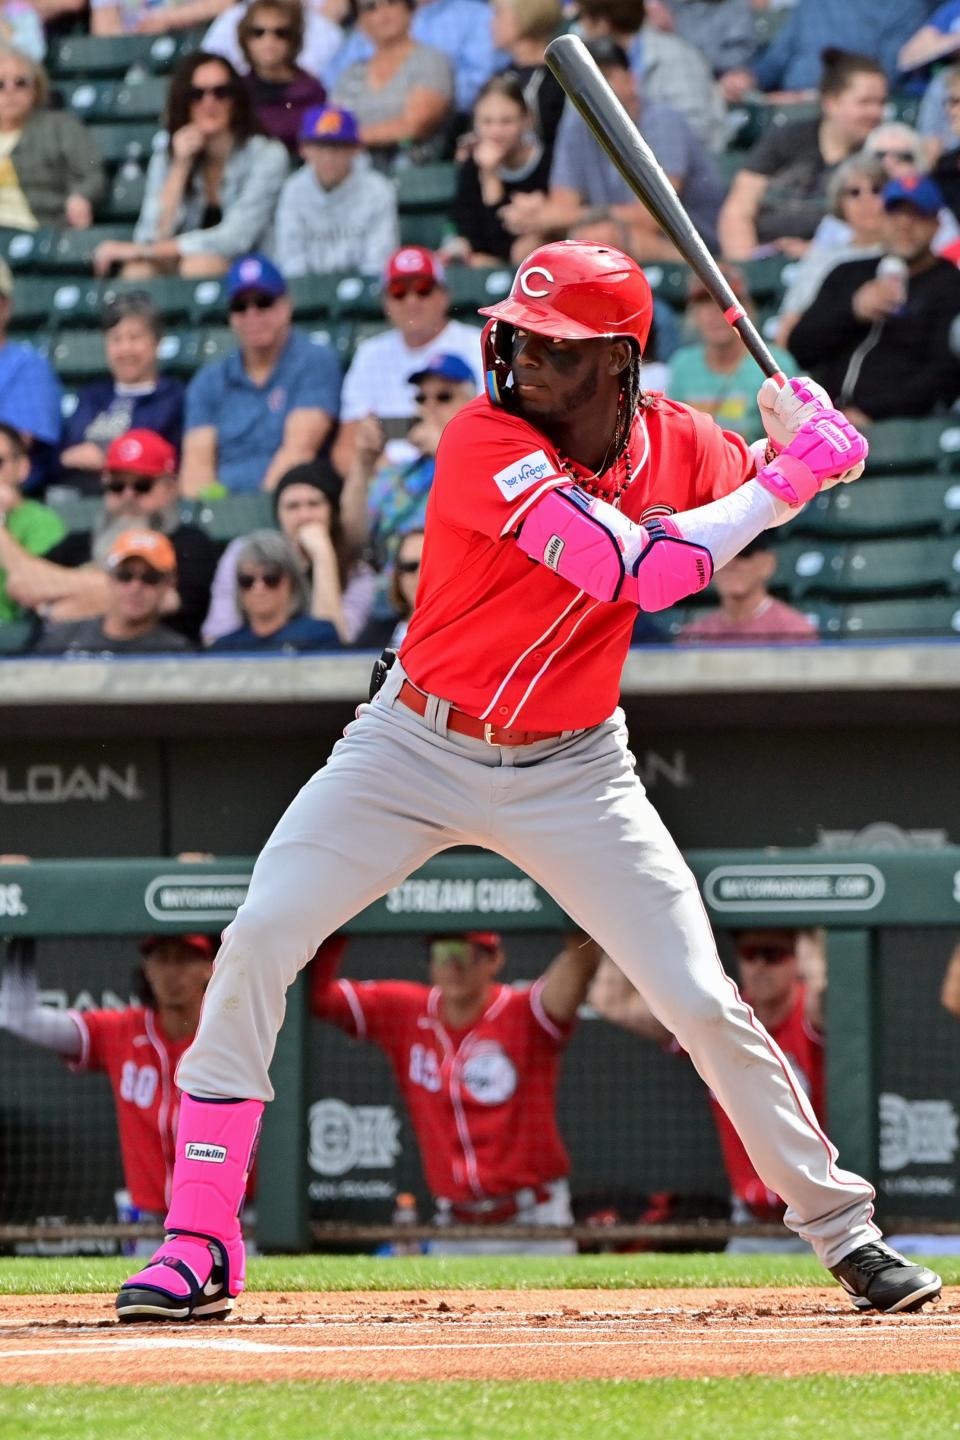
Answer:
x=893 y=1071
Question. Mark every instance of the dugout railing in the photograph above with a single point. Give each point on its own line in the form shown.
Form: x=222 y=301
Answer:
x=890 y=919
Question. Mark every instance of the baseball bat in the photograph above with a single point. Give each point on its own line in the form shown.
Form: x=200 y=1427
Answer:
x=578 y=73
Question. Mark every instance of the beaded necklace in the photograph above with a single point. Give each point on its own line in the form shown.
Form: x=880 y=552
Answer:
x=607 y=485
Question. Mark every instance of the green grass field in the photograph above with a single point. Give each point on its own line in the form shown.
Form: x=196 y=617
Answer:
x=750 y=1408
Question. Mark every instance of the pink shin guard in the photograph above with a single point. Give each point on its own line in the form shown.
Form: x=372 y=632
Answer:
x=216 y=1143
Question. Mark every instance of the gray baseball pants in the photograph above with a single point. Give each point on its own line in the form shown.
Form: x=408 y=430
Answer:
x=573 y=815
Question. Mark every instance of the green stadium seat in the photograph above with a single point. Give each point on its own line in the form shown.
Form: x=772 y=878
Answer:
x=213 y=343
x=172 y=297
x=209 y=302
x=98 y=57
x=16 y=636
x=341 y=335
x=125 y=197
x=470 y=289
x=893 y=567
x=825 y=615
x=359 y=297
x=79 y=355
x=119 y=144
x=424 y=228
x=46 y=304
x=669 y=282
x=904 y=108
x=314 y=297
x=765 y=279
x=753 y=118
x=142 y=100
x=898 y=505
x=24 y=249
x=166 y=50
x=234 y=515
x=431 y=186
x=70 y=252
x=875 y=619
x=176 y=353
x=79 y=514
x=804 y=567
x=911 y=445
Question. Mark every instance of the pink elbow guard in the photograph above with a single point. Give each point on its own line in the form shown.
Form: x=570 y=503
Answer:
x=825 y=446
x=607 y=556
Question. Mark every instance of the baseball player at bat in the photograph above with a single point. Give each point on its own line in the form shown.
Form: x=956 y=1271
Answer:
x=565 y=499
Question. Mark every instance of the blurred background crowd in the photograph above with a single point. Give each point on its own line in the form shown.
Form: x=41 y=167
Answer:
x=230 y=339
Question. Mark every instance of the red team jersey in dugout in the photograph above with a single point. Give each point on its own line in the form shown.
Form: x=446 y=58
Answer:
x=482 y=1101
x=803 y=1047
x=140 y=1061
x=508 y=640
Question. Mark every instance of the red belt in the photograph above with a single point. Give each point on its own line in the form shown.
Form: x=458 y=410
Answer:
x=463 y=724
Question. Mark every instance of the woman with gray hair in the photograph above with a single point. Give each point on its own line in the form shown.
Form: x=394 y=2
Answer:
x=851 y=230
x=136 y=397
x=276 y=602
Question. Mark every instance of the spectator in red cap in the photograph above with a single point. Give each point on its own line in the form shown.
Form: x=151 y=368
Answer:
x=138 y=1048
x=136 y=396
x=478 y=1064
x=334 y=213
x=880 y=336
x=141 y=568
x=140 y=489
x=377 y=387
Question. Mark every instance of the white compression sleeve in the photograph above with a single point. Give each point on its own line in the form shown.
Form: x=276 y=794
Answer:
x=22 y=1014
x=724 y=526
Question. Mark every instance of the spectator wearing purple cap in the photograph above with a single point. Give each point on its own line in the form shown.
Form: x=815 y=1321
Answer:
x=267 y=407
x=335 y=213
x=382 y=500
x=212 y=184
x=879 y=336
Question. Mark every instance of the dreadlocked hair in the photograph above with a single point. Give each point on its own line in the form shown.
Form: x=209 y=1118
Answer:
x=632 y=399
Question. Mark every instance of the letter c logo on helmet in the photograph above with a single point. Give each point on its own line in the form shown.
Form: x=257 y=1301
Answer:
x=525 y=285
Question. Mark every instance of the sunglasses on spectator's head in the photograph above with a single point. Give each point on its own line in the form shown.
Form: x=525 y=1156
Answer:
x=407 y=567
x=769 y=954
x=216 y=92
x=907 y=156
x=242 y=303
x=125 y=576
x=422 y=286
x=139 y=484
x=17 y=82
x=270 y=578
x=439 y=397
x=853 y=192
x=257 y=32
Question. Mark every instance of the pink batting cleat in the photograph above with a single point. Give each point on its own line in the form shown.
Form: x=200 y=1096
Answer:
x=199 y=1269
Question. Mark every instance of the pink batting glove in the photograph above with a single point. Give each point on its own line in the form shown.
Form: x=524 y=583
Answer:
x=785 y=408
x=825 y=446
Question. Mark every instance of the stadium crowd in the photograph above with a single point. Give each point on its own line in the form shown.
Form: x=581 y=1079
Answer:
x=344 y=182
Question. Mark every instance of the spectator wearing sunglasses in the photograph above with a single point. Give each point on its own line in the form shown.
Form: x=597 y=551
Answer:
x=380 y=502
x=782 y=976
x=391 y=614
x=280 y=612
x=136 y=396
x=336 y=212
x=212 y=184
x=271 y=37
x=269 y=405
x=478 y=1065
x=306 y=506
x=140 y=490
x=851 y=230
x=141 y=576
x=378 y=383
x=403 y=94
x=322 y=36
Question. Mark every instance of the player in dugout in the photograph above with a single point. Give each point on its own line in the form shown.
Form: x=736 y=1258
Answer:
x=138 y=1048
x=478 y=1064
x=565 y=499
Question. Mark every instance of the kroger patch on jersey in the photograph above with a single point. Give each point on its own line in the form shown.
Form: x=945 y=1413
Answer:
x=519 y=476
x=458 y=897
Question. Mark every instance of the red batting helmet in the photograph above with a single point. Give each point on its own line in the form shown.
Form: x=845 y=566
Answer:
x=569 y=290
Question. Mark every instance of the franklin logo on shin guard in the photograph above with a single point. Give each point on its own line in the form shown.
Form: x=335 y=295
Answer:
x=213 y=1154
x=553 y=551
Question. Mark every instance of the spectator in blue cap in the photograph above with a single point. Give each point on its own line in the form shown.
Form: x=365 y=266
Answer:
x=270 y=405
x=336 y=213
x=880 y=336
x=382 y=501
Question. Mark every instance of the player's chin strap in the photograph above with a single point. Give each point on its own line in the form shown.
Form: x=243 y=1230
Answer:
x=599 y=550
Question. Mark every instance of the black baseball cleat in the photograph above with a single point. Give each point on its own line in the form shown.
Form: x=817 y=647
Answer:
x=880 y=1279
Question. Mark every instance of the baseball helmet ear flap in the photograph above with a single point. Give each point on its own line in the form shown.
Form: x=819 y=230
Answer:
x=496 y=343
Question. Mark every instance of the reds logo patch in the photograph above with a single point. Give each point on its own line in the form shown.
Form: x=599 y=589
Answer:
x=489 y=1076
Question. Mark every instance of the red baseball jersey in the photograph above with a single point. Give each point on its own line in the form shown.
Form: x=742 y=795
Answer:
x=482 y=1101
x=508 y=640
x=803 y=1047
x=129 y=1046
